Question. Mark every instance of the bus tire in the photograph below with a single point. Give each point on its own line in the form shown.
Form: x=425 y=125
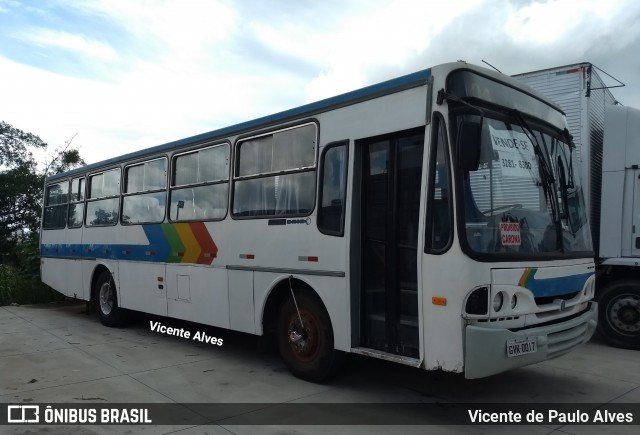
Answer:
x=619 y=313
x=106 y=301
x=307 y=350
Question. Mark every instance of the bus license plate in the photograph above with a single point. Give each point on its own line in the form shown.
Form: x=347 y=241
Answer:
x=521 y=346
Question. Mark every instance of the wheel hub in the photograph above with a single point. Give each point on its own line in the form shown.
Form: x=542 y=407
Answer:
x=303 y=338
x=295 y=337
x=106 y=298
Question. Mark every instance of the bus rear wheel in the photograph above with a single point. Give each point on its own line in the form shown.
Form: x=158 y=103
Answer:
x=106 y=300
x=619 y=313
x=305 y=338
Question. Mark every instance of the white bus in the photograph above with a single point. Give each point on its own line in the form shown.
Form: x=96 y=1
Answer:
x=433 y=220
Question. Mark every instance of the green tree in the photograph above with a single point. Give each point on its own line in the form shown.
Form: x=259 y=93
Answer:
x=21 y=190
x=21 y=186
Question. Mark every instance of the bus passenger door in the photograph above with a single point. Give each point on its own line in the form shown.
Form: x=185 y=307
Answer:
x=391 y=179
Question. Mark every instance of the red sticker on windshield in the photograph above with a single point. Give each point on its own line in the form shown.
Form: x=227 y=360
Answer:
x=510 y=233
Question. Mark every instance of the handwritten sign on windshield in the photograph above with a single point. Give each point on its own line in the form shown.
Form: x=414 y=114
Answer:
x=510 y=233
x=515 y=152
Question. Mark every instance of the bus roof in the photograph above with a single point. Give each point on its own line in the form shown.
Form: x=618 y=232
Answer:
x=352 y=97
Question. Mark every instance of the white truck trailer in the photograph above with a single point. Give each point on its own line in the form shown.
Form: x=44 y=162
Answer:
x=607 y=156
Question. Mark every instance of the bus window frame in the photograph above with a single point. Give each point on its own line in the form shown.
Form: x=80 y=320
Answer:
x=437 y=123
x=328 y=147
x=172 y=175
x=495 y=111
x=88 y=200
x=236 y=166
x=82 y=201
x=124 y=194
x=44 y=208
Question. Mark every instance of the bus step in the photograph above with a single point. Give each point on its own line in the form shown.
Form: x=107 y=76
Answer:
x=409 y=361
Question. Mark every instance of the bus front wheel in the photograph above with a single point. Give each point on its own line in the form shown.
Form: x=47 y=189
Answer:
x=106 y=300
x=305 y=338
x=619 y=313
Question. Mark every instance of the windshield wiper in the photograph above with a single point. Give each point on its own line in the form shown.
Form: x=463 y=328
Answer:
x=443 y=95
x=546 y=174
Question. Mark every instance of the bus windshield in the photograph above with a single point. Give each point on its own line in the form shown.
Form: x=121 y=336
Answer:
x=523 y=199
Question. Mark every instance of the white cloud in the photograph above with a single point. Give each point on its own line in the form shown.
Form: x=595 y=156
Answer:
x=185 y=29
x=387 y=36
x=544 y=23
x=177 y=93
x=68 y=41
x=194 y=66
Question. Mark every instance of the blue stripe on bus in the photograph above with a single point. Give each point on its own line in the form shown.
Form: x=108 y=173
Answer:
x=556 y=286
x=103 y=251
x=170 y=243
x=157 y=249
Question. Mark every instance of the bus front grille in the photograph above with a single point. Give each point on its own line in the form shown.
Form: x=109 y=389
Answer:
x=563 y=341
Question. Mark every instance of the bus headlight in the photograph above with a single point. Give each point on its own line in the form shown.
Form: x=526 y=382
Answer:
x=498 y=301
x=478 y=301
x=514 y=301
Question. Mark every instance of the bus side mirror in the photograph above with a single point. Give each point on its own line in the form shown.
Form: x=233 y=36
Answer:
x=468 y=145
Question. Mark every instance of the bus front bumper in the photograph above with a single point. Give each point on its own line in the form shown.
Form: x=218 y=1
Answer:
x=486 y=348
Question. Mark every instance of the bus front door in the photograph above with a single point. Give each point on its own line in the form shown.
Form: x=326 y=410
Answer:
x=391 y=177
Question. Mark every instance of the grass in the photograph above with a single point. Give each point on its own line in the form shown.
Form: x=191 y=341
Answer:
x=21 y=288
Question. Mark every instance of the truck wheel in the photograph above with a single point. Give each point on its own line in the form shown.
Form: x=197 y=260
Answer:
x=619 y=313
x=307 y=347
x=106 y=301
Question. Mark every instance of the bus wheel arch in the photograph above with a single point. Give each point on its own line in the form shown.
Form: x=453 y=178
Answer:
x=104 y=297
x=303 y=331
x=271 y=308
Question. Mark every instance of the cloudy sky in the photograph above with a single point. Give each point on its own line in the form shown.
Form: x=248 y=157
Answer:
x=129 y=74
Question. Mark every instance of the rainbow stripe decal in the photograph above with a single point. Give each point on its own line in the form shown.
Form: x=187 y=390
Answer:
x=552 y=286
x=188 y=243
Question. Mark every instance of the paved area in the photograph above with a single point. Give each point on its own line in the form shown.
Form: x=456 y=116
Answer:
x=58 y=354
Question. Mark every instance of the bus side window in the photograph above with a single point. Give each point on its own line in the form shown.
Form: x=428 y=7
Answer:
x=276 y=173
x=104 y=197
x=200 y=184
x=76 y=203
x=56 y=202
x=333 y=189
x=144 y=195
x=439 y=223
